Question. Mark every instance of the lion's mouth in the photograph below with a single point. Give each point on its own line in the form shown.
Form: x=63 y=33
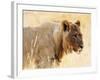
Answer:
x=78 y=50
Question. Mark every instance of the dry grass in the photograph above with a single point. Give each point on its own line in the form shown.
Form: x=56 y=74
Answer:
x=33 y=18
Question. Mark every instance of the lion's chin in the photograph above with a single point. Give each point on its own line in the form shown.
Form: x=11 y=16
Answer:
x=79 y=50
x=75 y=49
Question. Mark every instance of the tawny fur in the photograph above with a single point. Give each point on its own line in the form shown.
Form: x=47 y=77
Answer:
x=47 y=43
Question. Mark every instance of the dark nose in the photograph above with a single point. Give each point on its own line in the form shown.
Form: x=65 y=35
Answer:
x=81 y=46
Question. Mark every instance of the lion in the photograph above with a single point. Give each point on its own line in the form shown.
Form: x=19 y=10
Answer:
x=47 y=43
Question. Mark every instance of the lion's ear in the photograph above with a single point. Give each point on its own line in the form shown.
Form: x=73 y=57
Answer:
x=77 y=22
x=65 y=25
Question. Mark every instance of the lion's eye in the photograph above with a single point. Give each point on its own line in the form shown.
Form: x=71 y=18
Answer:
x=75 y=35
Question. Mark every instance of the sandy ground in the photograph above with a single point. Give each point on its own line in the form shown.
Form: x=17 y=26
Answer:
x=34 y=18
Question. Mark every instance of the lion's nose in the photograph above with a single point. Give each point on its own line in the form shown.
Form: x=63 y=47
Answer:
x=81 y=46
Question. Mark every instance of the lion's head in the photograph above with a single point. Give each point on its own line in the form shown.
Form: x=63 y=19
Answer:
x=72 y=36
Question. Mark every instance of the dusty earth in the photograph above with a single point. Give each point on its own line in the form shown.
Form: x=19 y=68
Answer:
x=34 y=18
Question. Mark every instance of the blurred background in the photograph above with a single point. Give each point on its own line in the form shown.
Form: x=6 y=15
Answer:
x=35 y=18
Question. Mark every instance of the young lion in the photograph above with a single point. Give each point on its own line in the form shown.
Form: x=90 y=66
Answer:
x=48 y=42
